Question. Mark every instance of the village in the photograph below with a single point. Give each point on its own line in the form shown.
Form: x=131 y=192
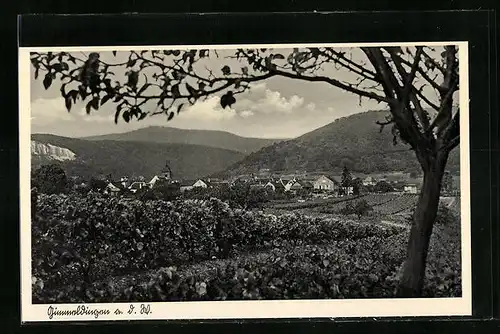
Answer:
x=302 y=185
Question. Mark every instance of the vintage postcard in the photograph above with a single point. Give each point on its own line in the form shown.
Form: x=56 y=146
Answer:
x=244 y=181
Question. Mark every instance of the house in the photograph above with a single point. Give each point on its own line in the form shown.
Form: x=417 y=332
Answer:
x=369 y=181
x=186 y=185
x=324 y=183
x=276 y=186
x=410 y=188
x=296 y=186
x=201 y=184
x=124 y=181
x=112 y=189
x=288 y=183
x=348 y=190
x=138 y=185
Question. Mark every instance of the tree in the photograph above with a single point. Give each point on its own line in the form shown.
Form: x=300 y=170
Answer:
x=416 y=84
x=361 y=208
x=357 y=184
x=97 y=184
x=383 y=187
x=346 y=178
x=166 y=190
x=50 y=179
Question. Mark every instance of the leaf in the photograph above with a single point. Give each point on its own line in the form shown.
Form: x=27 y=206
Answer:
x=278 y=56
x=131 y=62
x=106 y=98
x=117 y=114
x=175 y=91
x=226 y=70
x=244 y=70
x=326 y=263
x=83 y=91
x=95 y=103
x=114 y=53
x=63 y=92
x=88 y=106
x=126 y=116
x=68 y=102
x=133 y=78
x=193 y=92
x=36 y=73
x=170 y=116
x=179 y=107
x=74 y=94
x=47 y=81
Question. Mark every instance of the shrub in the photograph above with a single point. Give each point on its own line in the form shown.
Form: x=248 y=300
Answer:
x=360 y=208
x=50 y=179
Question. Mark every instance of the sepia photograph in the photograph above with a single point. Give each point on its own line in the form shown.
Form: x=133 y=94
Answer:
x=245 y=181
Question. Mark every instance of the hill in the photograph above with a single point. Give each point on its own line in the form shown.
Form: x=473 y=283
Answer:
x=355 y=141
x=130 y=158
x=169 y=135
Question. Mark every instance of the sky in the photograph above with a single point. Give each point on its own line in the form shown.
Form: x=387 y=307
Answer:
x=275 y=108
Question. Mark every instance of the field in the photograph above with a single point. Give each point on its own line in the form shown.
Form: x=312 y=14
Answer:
x=88 y=248
x=388 y=207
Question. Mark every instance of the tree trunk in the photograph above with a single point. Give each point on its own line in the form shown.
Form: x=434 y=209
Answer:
x=413 y=276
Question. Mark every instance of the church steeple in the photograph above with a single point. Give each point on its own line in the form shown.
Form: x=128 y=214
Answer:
x=166 y=171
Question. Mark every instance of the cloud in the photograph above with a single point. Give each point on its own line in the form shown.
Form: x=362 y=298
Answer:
x=45 y=111
x=94 y=116
x=311 y=106
x=208 y=110
x=274 y=102
x=246 y=113
x=261 y=99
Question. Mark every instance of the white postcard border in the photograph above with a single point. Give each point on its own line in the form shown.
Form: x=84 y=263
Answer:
x=243 y=309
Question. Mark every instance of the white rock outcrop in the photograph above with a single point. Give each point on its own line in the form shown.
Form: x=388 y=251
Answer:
x=52 y=152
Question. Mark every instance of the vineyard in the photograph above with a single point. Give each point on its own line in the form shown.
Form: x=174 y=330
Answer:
x=88 y=248
x=384 y=205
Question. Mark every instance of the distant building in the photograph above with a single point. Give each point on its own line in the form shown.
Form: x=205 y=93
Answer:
x=138 y=185
x=186 y=185
x=201 y=184
x=324 y=183
x=410 y=188
x=288 y=183
x=164 y=175
x=124 y=181
x=275 y=186
x=369 y=181
x=112 y=189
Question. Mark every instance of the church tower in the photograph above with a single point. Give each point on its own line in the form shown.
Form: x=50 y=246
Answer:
x=166 y=171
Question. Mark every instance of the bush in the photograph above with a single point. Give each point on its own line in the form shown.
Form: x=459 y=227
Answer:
x=360 y=208
x=383 y=187
x=50 y=179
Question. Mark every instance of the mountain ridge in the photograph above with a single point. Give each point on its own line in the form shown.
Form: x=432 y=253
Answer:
x=137 y=158
x=171 y=135
x=355 y=141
